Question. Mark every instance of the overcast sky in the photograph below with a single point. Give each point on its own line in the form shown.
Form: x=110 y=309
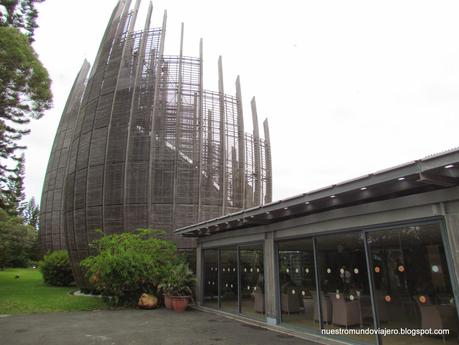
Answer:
x=349 y=87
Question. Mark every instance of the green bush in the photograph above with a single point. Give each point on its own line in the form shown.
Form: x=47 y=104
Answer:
x=129 y=264
x=56 y=270
x=179 y=281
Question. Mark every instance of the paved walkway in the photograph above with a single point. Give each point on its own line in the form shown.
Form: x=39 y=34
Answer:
x=135 y=327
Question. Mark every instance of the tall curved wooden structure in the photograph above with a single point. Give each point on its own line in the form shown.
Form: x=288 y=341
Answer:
x=149 y=147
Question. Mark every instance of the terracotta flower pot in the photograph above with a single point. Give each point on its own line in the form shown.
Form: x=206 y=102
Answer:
x=179 y=303
x=167 y=301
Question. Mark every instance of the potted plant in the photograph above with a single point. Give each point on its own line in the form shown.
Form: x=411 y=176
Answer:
x=166 y=289
x=177 y=286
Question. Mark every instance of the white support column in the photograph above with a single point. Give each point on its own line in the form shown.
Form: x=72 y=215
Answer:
x=271 y=280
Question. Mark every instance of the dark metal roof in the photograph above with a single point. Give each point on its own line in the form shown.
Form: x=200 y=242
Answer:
x=430 y=173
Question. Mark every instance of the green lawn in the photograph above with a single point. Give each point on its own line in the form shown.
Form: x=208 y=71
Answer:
x=29 y=294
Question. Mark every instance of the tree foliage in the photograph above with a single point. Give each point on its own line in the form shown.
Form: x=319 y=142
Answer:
x=56 y=269
x=20 y=14
x=18 y=242
x=24 y=91
x=14 y=195
x=129 y=264
x=31 y=213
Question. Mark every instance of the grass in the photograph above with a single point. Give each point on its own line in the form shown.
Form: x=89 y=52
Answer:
x=29 y=294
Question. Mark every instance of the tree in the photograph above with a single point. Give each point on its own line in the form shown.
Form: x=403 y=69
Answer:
x=17 y=241
x=24 y=92
x=20 y=14
x=15 y=195
x=31 y=213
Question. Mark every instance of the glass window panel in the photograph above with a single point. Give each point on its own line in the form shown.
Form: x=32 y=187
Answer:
x=299 y=304
x=252 y=281
x=412 y=284
x=210 y=279
x=228 y=280
x=344 y=283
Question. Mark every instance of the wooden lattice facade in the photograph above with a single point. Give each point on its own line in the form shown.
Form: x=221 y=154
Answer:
x=142 y=144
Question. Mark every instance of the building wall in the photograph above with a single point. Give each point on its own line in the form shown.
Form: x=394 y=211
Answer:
x=441 y=205
x=144 y=145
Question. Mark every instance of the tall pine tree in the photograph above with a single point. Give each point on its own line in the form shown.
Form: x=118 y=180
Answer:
x=31 y=213
x=25 y=87
x=15 y=195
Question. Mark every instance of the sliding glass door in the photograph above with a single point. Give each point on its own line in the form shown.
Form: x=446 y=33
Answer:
x=412 y=284
x=395 y=279
x=233 y=279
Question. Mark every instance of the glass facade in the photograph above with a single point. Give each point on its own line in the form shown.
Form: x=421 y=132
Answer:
x=210 y=278
x=393 y=279
x=412 y=284
x=388 y=278
x=299 y=304
x=252 y=281
x=234 y=280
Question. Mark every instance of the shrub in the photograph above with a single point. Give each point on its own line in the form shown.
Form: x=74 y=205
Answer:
x=179 y=281
x=129 y=264
x=56 y=270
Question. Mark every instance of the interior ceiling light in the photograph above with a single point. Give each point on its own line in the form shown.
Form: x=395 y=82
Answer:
x=449 y=166
x=363 y=188
x=401 y=178
x=332 y=196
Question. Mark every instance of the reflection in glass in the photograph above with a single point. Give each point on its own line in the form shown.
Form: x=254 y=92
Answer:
x=252 y=281
x=344 y=283
x=412 y=283
x=299 y=303
x=210 y=279
x=228 y=280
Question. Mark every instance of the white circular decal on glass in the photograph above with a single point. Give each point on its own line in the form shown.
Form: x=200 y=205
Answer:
x=287 y=270
x=341 y=270
x=338 y=296
x=223 y=270
x=306 y=270
x=234 y=269
x=435 y=269
x=351 y=297
x=255 y=288
x=258 y=270
x=303 y=293
x=251 y=269
x=245 y=269
x=231 y=285
x=293 y=292
x=356 y=270
x=296 y=270
x=328 y=270
x=226 y=285
x=248 y=287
